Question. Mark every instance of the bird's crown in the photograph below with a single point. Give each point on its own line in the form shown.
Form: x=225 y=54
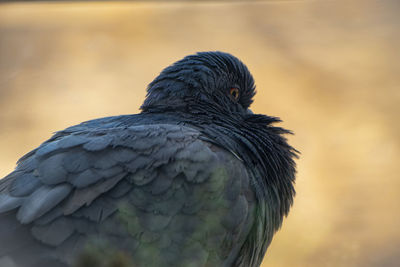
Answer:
x=216 y=78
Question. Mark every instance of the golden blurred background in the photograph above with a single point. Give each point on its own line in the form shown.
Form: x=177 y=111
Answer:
x=329 y=69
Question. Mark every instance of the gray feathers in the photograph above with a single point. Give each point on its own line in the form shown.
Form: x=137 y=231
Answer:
x=8 y=202
x=24 y=184
x=194 y=180
x=41 y=201
x=55 y=233
x=51 y=170
x=139 y=178
x=85 y=196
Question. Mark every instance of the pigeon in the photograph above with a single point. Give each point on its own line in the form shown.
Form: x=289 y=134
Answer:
x=195 y=179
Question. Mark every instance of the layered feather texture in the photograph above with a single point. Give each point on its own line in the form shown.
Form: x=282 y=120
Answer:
x=194 y=180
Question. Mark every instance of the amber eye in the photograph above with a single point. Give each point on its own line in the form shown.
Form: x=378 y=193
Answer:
x=234 y=93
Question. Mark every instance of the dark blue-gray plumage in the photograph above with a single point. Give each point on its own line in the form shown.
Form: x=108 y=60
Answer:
x=195 y=179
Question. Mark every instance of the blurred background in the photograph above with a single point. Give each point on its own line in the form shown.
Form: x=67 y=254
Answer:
x=329 y=69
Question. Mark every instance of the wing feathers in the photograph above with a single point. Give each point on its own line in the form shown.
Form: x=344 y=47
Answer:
x=55 y=233
x=8 y=202
x=41 y=201
x=139 y=189
x=51 y=170
x=85 y=196
x=24 y=184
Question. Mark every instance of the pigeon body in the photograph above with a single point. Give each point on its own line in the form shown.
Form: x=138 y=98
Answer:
x=195 y=179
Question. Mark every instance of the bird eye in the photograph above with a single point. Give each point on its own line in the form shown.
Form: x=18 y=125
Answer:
x=234 y=93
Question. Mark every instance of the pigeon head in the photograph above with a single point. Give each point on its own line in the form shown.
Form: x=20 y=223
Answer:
x=207 y=78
